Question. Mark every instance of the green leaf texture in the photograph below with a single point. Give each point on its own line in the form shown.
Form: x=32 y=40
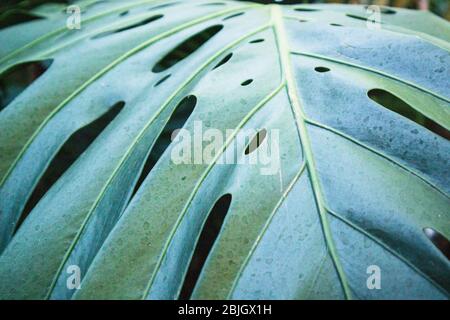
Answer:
x=356 y=186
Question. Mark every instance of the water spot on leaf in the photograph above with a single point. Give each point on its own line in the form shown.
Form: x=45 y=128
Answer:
x=186 y=48
x=208 y=236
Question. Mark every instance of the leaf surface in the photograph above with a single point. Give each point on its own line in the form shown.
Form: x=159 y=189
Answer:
x=353 y=185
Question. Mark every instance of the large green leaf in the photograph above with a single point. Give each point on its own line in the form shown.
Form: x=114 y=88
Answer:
x=358 y=182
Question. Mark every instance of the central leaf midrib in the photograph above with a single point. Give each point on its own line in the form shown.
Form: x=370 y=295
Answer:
x=284 y=52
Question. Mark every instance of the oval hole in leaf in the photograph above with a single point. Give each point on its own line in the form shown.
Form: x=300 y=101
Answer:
x=72 y=149
x=397 y=105
x=439 y=241
x=135 y=25
x=387 y=11
x=180 y=115
x=335 y=24
x=233 y=16
x=256 y=141
x=186 y=48
x=246 y=82
x=16 y=79
x=210 y=231
x=321 y=69
x=302 y=20
x=224 y=60
x=122 y=14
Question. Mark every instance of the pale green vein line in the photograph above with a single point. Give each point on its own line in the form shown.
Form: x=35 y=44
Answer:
x=63 y=29
x=198 y=185
x=358 y=66
x=316 y=276
x=265 y=227
x=108 y=68
x=387 y=248
x=379 y=153
x=138 y=139
x=389 y=27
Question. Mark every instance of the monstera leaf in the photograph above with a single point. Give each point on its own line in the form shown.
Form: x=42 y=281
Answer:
x=348 y=196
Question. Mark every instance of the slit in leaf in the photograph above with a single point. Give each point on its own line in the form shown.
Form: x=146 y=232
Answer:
x=335 y=24
x=224 y=60
x=135 y=25
x=356 y=17
x=212 y=4
x=176 y=121
x=439 y=241
x=15 y=80
x=12 y=18
x=306 y=9
x=246 y=82
x=72 y=149
x=166 y=5
x=162 y=80
x=186 y=48
x=210 y=231
x=256 y=141
x=384 y=10
x=257 y=41
x=397 y=105
x=233 y=16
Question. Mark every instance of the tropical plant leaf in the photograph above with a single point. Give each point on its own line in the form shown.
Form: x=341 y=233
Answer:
x=362 y=179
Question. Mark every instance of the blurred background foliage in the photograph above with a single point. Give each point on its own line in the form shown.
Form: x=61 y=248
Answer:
x=439 y=7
